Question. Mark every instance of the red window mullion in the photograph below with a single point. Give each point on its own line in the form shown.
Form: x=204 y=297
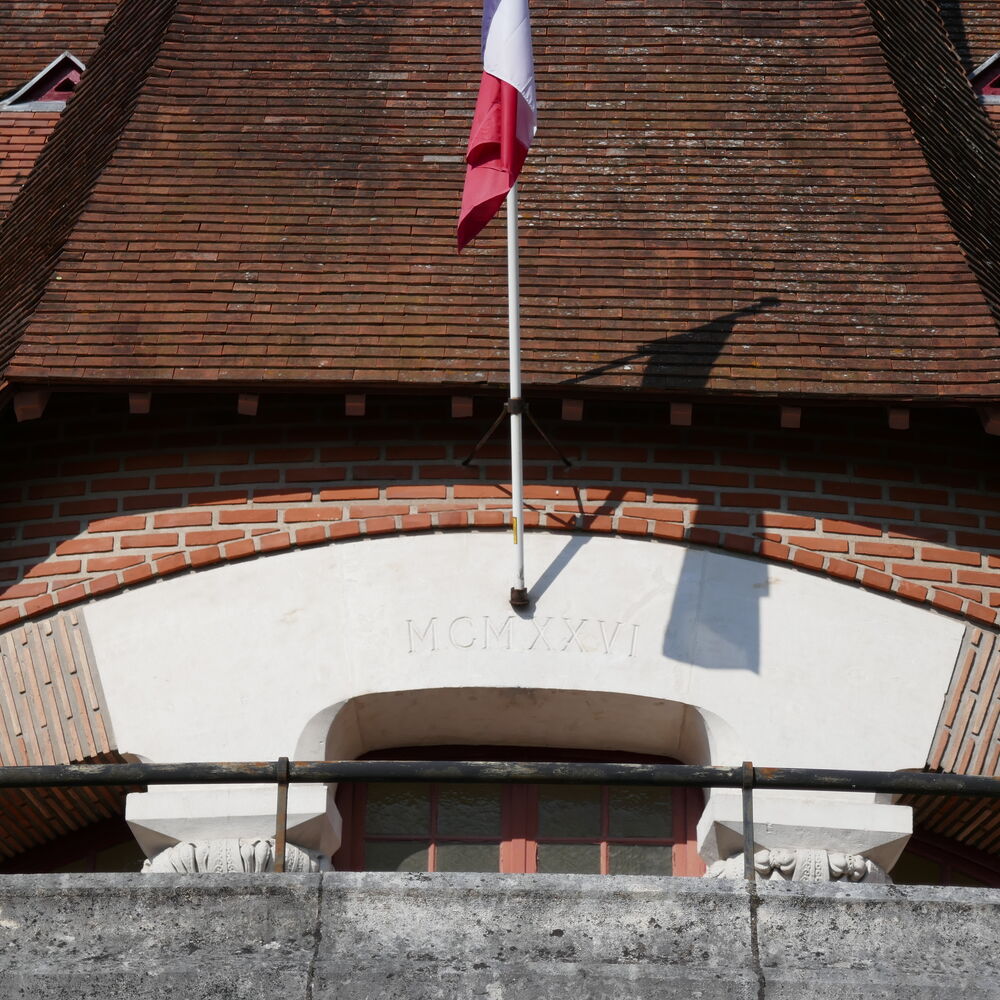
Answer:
x=432 y=854
x=679 y=852
x=605 y=828
x=517 y=850
x=687 y=807
x=353 y=799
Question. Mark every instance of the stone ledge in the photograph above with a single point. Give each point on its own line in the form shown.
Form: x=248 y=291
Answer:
x=430 y=937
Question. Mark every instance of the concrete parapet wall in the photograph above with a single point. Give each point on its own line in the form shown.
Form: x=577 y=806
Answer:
x=356 y=936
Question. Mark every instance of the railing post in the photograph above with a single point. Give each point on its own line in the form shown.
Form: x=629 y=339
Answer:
x=749 y=872
x=281 y=820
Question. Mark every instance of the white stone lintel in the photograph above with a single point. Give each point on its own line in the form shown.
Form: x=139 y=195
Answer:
x=168 y=815
x=851 y=823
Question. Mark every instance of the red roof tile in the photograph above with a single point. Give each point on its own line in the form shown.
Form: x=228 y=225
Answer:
x=974 y=27
x=32 y=34
x=722 y=198
x=47 y=680
x=37 y=224
x=954 y=133
x=21 y=139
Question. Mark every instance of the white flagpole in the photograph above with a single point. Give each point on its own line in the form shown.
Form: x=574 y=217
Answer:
x=518 y=593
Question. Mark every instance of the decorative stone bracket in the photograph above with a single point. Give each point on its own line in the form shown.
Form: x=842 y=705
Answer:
x=803 y=865
x=230 y=855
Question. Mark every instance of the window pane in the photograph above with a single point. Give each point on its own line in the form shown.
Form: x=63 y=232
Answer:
x=398 y=809
x=468 y=857
x=569 y=812
x=570 y=859
x=395 y=856
x=640 y=812
x=640 y=859
x=469 y=811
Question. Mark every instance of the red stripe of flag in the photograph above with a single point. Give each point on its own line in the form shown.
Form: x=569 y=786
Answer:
x=495 y=157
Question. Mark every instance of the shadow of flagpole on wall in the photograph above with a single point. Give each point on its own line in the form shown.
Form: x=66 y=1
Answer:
x=715 y=616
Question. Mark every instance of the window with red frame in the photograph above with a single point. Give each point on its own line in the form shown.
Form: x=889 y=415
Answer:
x=586 y=829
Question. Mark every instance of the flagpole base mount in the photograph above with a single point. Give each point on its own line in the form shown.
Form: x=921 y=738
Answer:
x=519 y=597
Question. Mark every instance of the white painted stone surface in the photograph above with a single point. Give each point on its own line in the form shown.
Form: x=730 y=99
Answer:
x=856 y=824
x=249 y=661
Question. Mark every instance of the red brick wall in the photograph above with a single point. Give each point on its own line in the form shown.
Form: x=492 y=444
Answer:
x=93 y=500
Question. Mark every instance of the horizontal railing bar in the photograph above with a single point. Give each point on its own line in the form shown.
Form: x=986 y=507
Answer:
x=890 y=782
x=329 y=772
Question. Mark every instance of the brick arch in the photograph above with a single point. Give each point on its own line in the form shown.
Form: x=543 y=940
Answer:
x=153 y=538
x=95 y=500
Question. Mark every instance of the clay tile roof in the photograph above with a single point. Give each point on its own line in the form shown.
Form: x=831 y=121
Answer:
x=724 y=197
x=974 y=27
x=954 y=132
x=32 y=34
x=34 y=231
x=22 y=136
x=967 y=741
x=52 y=711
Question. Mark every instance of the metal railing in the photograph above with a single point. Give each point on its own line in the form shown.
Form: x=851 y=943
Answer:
x=283 y=772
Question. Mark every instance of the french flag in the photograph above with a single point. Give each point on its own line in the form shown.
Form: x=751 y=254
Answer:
x=504 y=123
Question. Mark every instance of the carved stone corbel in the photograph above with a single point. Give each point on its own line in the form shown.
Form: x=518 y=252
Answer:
x=230 y=855
x=803 y=865
x=856 y=868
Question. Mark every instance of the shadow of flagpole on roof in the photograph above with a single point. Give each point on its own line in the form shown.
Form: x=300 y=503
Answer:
x=708 y=339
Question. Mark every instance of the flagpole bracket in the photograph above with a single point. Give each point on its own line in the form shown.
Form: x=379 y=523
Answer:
x=519 y=597
x=516 y=407
x=552 y=445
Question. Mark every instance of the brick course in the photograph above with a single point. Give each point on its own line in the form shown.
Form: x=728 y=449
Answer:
x=908 y=513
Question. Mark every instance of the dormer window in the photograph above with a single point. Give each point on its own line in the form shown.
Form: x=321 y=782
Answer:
x=986 y=80
x=50 y=89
